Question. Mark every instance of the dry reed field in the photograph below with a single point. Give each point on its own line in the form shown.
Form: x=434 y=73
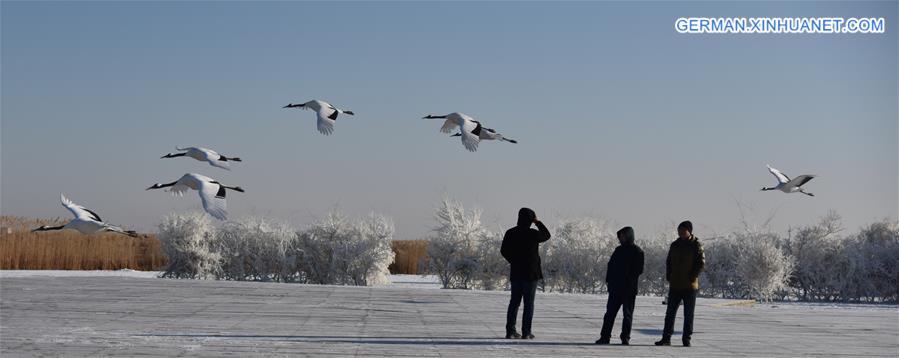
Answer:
x=21 y=249
x=411 y=257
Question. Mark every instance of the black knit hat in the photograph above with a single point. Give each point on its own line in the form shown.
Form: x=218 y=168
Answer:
x=687 y=225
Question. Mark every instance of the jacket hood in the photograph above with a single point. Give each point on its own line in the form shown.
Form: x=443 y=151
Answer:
x=627 y=234
x=526 y=217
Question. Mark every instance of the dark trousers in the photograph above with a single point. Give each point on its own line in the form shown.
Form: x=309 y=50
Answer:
x=616 y=301
x=521 y=290
x=674 y=299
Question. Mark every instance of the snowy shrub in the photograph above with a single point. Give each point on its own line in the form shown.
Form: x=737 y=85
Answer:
x=577 y=255
x=458 y=249
x=324 y=246
x=372 y=250
x=747 y=264
x=257 y=249
x=813 y=262
x=187 y=240
x=719 y=277
x=873 y=256
x=492 y=272
x=655 y=251
x=820 y=264
x=761 y=266
x=830 y=267
x=335 y=250
x=338 y=250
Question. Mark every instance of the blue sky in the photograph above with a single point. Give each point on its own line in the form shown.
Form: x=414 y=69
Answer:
x=618 y=116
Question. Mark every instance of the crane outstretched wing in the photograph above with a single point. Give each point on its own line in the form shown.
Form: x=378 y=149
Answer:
x=781 y=177
x=213 y=198
x=469 y=139
x=325 y=122
x=78 y=210
x=799 y=181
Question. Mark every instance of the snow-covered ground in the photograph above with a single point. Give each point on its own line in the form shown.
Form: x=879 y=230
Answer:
x=432 y=282
x=79 y=273
x=414 y=281
x=125 y=313
x=836 y=305
x=397 y=281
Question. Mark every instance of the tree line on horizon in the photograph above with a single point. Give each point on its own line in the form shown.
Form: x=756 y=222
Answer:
x=815 y=262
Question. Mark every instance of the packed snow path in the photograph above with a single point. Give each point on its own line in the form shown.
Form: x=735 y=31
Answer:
x=132 y=316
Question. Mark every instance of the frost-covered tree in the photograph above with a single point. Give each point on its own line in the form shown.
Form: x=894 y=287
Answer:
x=859 y=267
x=745 y=264
x=761 y=266
x=655 y=251
x=820 y=264
x=813 y=262
x=492 y=271
x=371 y=250
x=324 y=249
x=453 y=248
x=720 y=275
x=257 y=249
x=873 y=256
x=338 y=250
x=334 y=250
x=576 y=256
x=188 y=241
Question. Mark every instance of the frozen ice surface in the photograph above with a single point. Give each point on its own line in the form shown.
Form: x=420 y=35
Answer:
x=130 y=315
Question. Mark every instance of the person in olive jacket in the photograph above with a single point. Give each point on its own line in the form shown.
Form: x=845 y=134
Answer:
x=520 y=249
x=685 y=261
x=622 y=277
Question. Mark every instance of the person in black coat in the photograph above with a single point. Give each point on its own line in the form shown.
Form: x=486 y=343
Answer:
x=520 y=249
x=622 y=277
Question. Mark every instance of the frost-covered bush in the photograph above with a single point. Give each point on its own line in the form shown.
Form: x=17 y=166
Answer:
x=761 y=266
x=575 y=259
x=373 y=251
x=335 y=250
x=492 y=271
x=338 y=250
x=813 y=262
x=719 y=277
x=821 y=267
x=858 y=267
x=462 y=252
x=257 y=249
x=747 y=264
x=325 y=249
x=873 y=256
x=655 y=251
x=188 y=241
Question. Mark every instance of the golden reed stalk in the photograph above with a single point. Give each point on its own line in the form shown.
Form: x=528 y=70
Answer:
x=21 y=249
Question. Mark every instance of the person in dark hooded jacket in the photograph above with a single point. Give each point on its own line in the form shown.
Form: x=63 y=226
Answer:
x=622 y=277
x=521 y=249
